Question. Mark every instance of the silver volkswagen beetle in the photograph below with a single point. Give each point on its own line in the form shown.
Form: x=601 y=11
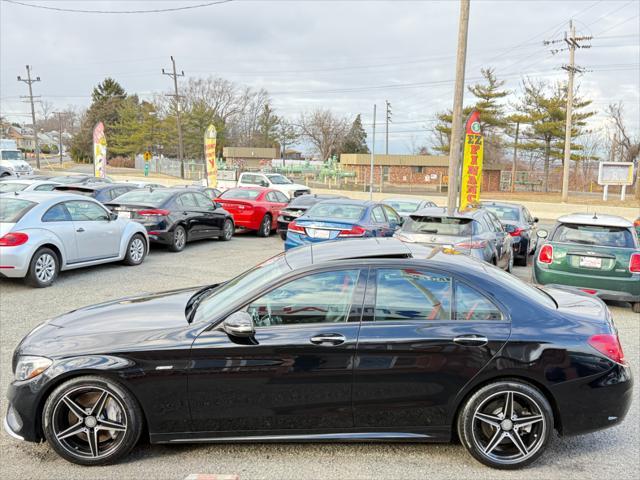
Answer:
x=42 y=233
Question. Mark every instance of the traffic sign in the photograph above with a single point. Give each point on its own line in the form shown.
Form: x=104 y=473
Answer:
x=147 y=156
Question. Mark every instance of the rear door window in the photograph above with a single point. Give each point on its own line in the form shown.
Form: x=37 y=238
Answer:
x=472 y=305
x=271 y=197
x=187 y=200
x=202 y=201
x=595 y=235
x=378 y=215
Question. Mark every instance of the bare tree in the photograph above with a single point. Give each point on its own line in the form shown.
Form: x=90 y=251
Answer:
x=324 y=130
x=46 y=108
x=627 y=145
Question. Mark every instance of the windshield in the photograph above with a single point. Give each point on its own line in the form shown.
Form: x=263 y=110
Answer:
x=234 y=290
x=335 y=211
x=11 y=155
x=403 y=206
x=594 y=235
x=13 y=209
x=456 y=227
x=504 y=212
x=240 y=193
x=278 y=179
x=145 y=197
x=12 y=187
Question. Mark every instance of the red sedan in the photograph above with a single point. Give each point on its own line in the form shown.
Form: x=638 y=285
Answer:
x=254 y=208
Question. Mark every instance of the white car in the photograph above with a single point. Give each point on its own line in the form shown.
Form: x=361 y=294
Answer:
x=25 y=185
x=43 y=233
x=274 y=181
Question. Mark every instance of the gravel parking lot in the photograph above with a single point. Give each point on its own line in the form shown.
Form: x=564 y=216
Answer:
x=614 y=453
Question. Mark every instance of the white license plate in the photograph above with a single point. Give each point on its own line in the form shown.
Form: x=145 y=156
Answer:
x=124 y=214
x=590 y=262
x=315 y=233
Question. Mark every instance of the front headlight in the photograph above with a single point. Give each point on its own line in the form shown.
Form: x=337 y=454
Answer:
x=29 y=367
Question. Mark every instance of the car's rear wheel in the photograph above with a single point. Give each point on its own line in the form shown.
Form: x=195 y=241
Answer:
x=506 y=424
x=91 y=420
x=43 y=269
x=227 y=230
x=265 y=226
x=179 y=239
x=136 y=250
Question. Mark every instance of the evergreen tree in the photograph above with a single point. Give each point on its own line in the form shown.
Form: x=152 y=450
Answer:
x=356 y=139
x=267 y=127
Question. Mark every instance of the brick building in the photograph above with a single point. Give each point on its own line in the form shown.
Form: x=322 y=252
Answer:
x=249 y=157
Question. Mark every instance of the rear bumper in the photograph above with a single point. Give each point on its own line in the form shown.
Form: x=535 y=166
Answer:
x=14 y=261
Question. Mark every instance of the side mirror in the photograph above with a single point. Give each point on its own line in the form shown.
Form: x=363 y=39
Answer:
x=217 y=205
x=113 y=216
x=542 y=233
x=239 y=324
x=264 y=183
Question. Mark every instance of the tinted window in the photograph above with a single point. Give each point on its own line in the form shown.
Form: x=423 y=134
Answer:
x=57 y=213
x=391 y=214
x=378 y=215
x=187 y=200
x=279 y=179
x=202 y=201
x=146 y=197
x=454 y=226
x=594 y=235
x=281 y=197
x=471 y=305
x=409 y=294
x=336 y=211
x=308 y=200
x=497 y=225
x=211 y=193
x=47 y=187
x=320 y=298
x=251 y=179
x=86 y=211
x=241 y=193
x=12 y=187
x=271 y=197
x=505 y=212
x=13 y=209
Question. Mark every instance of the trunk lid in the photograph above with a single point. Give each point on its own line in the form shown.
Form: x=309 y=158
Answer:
x=591 y=260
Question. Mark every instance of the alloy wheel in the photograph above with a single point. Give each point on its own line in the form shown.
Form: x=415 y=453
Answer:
x=89 y=422
x=136 y=250
x=45 y=268
x=179 y=238
x=228 y=230
x=508 y=427
x=266 y=226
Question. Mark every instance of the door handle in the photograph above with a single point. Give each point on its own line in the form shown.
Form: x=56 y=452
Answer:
x=328 y=339
x=80 y=230
x=471 y=340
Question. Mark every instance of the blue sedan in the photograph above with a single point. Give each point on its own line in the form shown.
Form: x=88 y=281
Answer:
x=342 y=218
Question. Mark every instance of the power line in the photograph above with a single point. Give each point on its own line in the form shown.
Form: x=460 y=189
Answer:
x=115 y=12
x=30 y=81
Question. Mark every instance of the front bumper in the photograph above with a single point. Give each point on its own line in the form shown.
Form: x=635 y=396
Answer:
x=22 y=421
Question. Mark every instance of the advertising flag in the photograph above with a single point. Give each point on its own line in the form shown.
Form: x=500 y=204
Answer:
x=210 y=156
x=472 y=162
x=99 y=151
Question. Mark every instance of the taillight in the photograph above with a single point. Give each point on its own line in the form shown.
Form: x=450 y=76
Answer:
x=13 y=239
x=354 y=231
x=609 y=346
x=472 y=244
x=295 y=228
x=154 y=212
x=590 y=291
x=634 y=263
x=517 y=232
x=546 y=254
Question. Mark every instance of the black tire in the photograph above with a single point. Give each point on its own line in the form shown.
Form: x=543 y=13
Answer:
x=228 y=229
x=100 y=403
x=521 y=261
x=635 y=307
x=478 y=435
x=265 y=226
x=283 y=235
x=136 y=250
x=179 y=239
x=43 y=269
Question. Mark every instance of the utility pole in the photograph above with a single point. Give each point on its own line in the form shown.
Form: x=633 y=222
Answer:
x=572 y=43
x=176 y=98
x=386 y=149
x=456 y=125
x=515 y=158
x=29 y=81
x=373 y=150
x=59 y=135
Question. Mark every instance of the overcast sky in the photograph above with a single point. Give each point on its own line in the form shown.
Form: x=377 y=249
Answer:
x=344 y=55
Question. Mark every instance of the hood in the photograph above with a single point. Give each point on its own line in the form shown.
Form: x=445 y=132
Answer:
x=290 y=186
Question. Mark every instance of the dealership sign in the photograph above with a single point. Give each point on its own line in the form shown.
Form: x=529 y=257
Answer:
x=472 y=162
x=99 y=151
x=210 y=139
x=615 y=173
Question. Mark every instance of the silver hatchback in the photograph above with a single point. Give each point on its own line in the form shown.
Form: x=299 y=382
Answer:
x=43 y=233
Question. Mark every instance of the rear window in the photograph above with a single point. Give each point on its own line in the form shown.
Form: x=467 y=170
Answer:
x=241 y=194
x=77 y=191
x=12 y=187
x=594 y=235
x=457 y=227
x=403 y=206
x=146 y=197
x=336 y=211
x=504 y=212
x=13 y=209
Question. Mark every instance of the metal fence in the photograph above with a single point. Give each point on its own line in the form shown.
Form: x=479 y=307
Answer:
x=193 y=170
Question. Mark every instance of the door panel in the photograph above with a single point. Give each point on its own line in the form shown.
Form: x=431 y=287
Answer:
x=96 y=236
x=408 y=367
x=58 y=220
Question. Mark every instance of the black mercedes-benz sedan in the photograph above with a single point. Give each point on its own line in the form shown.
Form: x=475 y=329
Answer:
x=374 y=340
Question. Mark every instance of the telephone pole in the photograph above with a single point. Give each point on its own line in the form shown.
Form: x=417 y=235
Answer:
x=515 y=158
x=456 y=124
x=30 y=81
x=59 y=135
x=373 y=153
x=572 y=43
x=386 y=149
x=176 y=98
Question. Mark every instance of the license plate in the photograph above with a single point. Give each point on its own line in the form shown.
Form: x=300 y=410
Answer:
x=315 y=233
x=124 y=214
x=590 y=262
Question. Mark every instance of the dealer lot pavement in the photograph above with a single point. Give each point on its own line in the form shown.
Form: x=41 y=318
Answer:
x=612 y=453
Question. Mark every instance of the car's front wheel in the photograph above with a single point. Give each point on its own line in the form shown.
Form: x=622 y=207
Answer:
x=506 y=424
x=43 y=269
x=91 y=420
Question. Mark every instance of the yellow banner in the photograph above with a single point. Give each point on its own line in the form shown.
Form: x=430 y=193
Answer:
x=99 y=151
x=472 y=163
x=210 y=140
